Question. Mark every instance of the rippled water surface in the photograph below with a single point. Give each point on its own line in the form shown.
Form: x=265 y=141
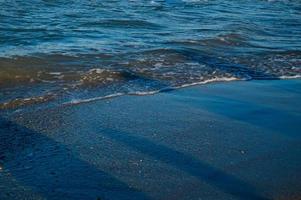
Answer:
x=65 y=52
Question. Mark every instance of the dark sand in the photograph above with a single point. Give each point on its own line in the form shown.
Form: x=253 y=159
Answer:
x=239 y=140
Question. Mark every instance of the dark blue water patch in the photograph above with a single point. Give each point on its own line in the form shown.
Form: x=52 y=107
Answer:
x=122 y=23
x=24 y=22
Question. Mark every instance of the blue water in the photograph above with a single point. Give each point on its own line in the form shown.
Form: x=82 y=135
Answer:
x=66 y=51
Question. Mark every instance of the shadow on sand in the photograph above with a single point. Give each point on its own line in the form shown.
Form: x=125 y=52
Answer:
x=206 y=173
x=51 y=170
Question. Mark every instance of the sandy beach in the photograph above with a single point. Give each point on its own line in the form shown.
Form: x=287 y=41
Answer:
x=238 y=140
x=150 y=100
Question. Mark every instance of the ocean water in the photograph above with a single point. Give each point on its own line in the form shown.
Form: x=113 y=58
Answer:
x=55 y=52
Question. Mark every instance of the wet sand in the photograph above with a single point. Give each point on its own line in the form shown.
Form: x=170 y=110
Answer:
x=238 y=140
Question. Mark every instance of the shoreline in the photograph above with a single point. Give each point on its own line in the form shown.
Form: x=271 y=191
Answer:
x=36 y=100
x=233 y=140
x=169 y=89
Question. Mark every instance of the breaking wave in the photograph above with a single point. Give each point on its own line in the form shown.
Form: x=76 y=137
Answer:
x=138 y=73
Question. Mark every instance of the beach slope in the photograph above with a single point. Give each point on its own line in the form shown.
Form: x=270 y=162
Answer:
x=238 y=140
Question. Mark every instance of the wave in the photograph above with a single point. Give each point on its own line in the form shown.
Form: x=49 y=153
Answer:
x=224 y=40
x=175 y=65
x=16 y=103
x=290 y=77
x=24 y=80
x=221 y=79
x=81 y=101
x=20 y=102
x=147 y=93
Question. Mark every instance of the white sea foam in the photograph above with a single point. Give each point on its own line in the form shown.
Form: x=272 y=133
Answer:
x=55 y=73
x=80 y=101
x=145 y=93
x=290 y=77
x=97 y=70
x=217 y=79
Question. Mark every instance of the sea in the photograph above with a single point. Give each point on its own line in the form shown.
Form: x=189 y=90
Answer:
x=59 y=52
